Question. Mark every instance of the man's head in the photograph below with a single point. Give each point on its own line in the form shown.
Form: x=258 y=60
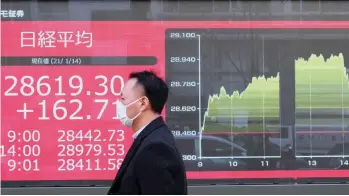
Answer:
x=145 y=95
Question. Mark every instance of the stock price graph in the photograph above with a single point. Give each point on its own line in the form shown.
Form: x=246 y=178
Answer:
x=322 y=102
x=263 y=99
x=251 y=113
x=259 y=101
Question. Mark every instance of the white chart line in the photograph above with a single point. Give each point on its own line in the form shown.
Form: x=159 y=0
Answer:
x=242 y=157
x=263 y=98
x=322 y=156
x=199 y=64
x=343 y=126
x=249 y=107
x=310 y=120
x=231 y=125
x=325 y=108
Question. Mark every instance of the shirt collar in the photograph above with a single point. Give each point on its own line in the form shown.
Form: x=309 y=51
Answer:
x=139 y=131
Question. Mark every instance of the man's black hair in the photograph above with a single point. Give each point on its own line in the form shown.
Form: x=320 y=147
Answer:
x=155 y=88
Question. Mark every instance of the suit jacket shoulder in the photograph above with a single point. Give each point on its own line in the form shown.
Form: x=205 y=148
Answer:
x=153 y=164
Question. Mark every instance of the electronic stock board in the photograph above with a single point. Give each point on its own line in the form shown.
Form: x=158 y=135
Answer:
x=248 y=99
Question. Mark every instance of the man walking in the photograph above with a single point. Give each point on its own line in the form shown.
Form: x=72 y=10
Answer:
x=153 y=164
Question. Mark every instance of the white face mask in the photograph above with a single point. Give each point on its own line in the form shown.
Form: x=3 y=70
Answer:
x=122 y=113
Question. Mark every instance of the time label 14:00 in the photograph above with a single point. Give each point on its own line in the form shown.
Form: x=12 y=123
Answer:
x=42 y=86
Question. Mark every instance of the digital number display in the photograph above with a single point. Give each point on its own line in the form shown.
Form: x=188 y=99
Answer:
x=59 y=89
x=247 y=99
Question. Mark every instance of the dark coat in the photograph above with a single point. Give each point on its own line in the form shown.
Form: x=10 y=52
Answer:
x=152 y=166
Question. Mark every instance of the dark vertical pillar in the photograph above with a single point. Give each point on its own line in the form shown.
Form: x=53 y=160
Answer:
x=140 y=9
x=287 y=89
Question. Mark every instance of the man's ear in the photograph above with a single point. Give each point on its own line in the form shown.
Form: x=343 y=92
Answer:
x=145 y=103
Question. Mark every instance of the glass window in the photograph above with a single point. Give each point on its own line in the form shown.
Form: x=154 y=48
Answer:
x=215 y=148
x=186 y=146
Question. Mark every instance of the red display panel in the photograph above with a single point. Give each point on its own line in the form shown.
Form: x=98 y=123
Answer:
x=70 y=124
x=60 y=80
